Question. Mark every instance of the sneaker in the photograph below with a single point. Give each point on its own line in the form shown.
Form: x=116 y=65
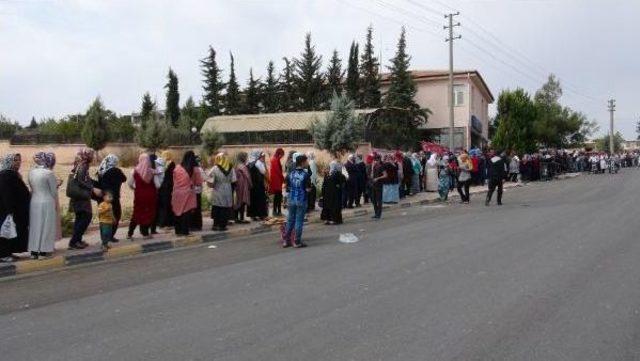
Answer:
x=76 y=246
x=286 y=245
x=115 y=240
x=299 y=245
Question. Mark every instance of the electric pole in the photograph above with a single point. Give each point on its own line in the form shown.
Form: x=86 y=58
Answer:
x=612 y=108
x=450 y=39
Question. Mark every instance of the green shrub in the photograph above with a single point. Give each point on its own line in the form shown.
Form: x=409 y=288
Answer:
x=67 y=223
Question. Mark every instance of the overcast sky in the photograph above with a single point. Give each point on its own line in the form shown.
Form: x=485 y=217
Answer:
x=57 y=55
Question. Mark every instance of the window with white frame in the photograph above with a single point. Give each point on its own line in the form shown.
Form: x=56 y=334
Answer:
x=459 y=92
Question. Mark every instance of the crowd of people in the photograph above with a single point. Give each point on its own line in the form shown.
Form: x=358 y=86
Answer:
x=168 y=194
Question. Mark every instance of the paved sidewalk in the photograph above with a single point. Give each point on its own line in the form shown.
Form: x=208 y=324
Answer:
x=166 y=239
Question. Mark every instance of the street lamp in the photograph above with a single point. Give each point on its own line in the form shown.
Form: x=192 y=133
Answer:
x=194 y=132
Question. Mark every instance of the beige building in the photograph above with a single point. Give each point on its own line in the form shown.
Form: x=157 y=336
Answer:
x=471 y=105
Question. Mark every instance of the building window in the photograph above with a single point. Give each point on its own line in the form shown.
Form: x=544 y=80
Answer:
x=458 y=94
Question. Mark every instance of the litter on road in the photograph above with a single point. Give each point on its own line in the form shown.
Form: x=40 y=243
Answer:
x=348 y=238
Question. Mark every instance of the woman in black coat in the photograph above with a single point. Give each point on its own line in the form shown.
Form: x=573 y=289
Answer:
x=333 y=186
x=110 y=179
x=14 y=201
x=258 y=208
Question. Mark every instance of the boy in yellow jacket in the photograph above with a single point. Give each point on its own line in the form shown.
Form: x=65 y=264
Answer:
x=106 y=219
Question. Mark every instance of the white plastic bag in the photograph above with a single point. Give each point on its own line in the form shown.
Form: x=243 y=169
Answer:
x=8 y=229
x=348 y=238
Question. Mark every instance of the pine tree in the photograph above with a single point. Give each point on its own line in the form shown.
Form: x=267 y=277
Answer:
x=33 y=124
x=251 y=95
x=402 y=88
x=95 y=132
x=638 y=129
x=147 y=109
x=308 y=77
x=334 y=77
x=270 y=91
x=172 y=111
x=190 y=109
x=155 y=135
x=339 y=131
x=370 y=97
x=353 y=74
x=289 y=99
x=213 y=86
x=232 y=98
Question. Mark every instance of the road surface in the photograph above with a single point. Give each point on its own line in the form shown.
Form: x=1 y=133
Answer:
x=554 y=274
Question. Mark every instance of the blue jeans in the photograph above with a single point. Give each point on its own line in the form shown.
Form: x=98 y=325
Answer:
x=295 y=220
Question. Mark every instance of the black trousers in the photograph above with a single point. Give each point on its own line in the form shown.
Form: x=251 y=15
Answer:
x=277 y=203
x=80 y=225
x=463 y=190
x=239 y=213
x=220 y=217
x=311 y=199
x=181 y=224
x=493 y=184
x=376 y=200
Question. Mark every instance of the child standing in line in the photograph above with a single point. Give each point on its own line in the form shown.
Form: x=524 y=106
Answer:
x=107 y=220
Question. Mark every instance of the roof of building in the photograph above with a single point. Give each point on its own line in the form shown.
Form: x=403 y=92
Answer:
x=437 y=74
x=266 y=122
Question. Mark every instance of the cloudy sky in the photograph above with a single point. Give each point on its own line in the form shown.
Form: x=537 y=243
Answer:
x=59 y=54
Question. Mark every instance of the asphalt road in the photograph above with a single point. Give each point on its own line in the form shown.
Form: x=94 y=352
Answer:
x=554 y=274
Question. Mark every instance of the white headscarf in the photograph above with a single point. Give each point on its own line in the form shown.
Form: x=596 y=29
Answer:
x=110 y=161
x=432 y=162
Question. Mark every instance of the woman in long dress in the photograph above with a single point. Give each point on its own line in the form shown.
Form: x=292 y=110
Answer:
x=332 y=187
x=81 y=206
x=242 y=189
x=14 y=201
x=258 y=208
x=220 y=178
x=432 y=173
x=164 y=217
x=391 y=187
x=186 y=177
x=44 y=217
x=110 y=179
x=144 y=197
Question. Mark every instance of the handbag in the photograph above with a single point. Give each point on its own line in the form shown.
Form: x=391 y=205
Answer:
x=8 y=229
x=75 y=190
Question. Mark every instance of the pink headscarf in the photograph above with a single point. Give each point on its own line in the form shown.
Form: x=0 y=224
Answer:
x=143 y=168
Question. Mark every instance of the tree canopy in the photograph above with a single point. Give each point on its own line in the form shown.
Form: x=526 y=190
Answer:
x=353 y=73
x=172 y=111
x=308 y=77
x=212 y=85
x=370 y=78
x=232 y=98
x=340 y=130
x=95 y=132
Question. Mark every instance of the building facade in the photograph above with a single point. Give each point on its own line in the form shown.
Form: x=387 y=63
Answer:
x=471 y=105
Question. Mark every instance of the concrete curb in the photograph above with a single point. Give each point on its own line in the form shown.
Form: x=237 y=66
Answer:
x=128 y=250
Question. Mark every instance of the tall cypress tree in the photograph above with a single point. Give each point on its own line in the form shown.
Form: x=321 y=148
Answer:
x=251 y=96
x=289 y=98
x=212 y=84
x=232 y=98
x=172 y=111
x=95 y=132
x=353 y=74
x=270 y=91
x=334 y=77
x=308 y=76
x=369 y=72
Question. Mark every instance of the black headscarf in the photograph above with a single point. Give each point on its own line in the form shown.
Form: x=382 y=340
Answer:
x=189 y=162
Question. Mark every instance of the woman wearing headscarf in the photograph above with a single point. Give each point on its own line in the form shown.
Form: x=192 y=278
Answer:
x=242 y=188
x=464 y=177
x=44 y=218
x=391 y=187
x=186 y=177
x=332 y=188
x=417 y=170
x=352 y=182
x=195 y=223
x=14 y=201
x=444 y=180
x=276 y=179
x=164 y=216
x=432 y=173
x=110 y=179
x=258 y=206
x=158 y=164
x=81 y=204
x=144 y=197
x=220 y=178
x=313 y=173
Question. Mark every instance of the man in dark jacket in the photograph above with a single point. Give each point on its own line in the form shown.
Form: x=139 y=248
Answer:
x=497 y=169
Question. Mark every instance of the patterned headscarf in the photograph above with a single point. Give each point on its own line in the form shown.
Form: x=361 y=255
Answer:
x=8 y=162
x=109 y=162
x=255 y=155
x=84 y=156
x=45 y=159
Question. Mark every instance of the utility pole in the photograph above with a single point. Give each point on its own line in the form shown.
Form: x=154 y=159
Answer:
x=612 y=108
x=450 y=39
